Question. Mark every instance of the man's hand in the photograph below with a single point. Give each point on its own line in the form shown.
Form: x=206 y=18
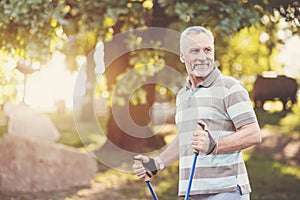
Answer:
x=144 y=165
x=201 y=141
x=138 y=167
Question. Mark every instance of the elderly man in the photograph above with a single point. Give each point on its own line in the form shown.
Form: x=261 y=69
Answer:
x=222 y=105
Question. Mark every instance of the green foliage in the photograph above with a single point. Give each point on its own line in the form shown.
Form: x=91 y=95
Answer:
x=224 y=18
x=34 y=28
x=291 y=122
x=28 y=27
x=245 y=55
x=8 y=79
x=99 y=20
x=289 y=10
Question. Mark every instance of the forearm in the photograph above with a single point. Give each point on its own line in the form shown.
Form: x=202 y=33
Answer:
x=245 y=137
x=171 y=153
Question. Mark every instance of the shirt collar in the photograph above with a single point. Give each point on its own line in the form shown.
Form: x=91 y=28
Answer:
x=208 y=80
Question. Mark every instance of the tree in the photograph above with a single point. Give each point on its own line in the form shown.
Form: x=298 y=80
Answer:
x=289 y=10
x=32 y=28
x=280 y=20
x=29 y=27
x=168 y=14
x=254 y=49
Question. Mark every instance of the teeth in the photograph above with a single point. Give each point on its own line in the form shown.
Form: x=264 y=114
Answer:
x=198 y=64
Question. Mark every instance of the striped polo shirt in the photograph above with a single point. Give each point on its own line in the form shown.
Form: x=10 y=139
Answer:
x=224 y=105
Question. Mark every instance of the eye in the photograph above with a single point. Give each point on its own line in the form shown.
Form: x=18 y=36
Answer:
x=208 y=50
x=194 y=51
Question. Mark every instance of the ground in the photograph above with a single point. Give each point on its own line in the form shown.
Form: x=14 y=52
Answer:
x=272 y=167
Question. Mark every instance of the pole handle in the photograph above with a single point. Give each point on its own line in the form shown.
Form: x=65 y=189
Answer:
x=148 y=176
x=147 y=180
x=200 y=127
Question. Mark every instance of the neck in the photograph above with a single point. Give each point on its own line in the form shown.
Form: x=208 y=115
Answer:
x=195 y=81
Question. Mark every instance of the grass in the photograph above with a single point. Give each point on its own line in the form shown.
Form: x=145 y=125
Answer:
x=269 y=118
x=3 y=124
x=270 y=179
x=3 y=130
x=66 y=126
x=83 y=134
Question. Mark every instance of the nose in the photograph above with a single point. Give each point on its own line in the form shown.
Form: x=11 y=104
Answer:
x=201 y=55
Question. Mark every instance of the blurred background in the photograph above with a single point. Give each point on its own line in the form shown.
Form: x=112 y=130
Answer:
x=49 y=47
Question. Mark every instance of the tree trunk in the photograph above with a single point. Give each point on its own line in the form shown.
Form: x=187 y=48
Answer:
x=137 y=136
x=87 y=111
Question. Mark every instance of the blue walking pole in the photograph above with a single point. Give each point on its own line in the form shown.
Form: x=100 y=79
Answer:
x=191 y=176
x=151 y=190
x=147 y=181
x=187 y=194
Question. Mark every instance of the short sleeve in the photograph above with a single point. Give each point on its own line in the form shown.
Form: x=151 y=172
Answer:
x=238 y=106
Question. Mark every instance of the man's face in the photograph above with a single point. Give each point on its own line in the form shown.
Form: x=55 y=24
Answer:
x=197 y=54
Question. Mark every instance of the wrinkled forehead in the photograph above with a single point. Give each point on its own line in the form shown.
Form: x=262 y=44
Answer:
x=195 y=39
x=196 y=30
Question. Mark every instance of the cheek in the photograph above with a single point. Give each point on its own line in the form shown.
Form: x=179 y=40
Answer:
x=188 y=66
x=188 y=61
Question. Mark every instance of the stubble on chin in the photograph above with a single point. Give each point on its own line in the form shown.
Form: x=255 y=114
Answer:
x=200 y=74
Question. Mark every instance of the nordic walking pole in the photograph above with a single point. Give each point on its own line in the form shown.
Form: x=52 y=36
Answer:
x=147 y=181
x=196 y=153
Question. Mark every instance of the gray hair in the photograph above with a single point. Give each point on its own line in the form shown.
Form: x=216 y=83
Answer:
x=195 y=30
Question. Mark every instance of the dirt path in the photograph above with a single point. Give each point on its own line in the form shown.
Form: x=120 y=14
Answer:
x=280 y=146
x=274 y=144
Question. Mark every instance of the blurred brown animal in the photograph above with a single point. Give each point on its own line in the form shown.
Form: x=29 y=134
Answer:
x=281 y=87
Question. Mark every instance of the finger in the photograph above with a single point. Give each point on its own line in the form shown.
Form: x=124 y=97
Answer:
x=136 y=166
x=138 y=157
x=142 y=158
x=142 y=176
x=200 y=132
x=196 y=148
x=140 y=172
x=197 y=144
x=200 y=137
x=196 y=134
x=202 y=125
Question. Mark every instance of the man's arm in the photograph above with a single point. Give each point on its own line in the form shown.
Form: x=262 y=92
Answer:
x=170 y=154
x=245 y=137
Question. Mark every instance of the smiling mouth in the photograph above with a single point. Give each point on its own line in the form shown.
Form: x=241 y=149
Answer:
x=200 y=65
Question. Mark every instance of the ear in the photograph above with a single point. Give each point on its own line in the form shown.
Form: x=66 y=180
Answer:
x=181 y=58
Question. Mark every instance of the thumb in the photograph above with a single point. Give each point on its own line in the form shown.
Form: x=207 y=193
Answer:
x=202 y=125
x=142 y=158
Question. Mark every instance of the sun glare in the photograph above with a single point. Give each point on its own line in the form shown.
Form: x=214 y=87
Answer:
x=52 y=84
